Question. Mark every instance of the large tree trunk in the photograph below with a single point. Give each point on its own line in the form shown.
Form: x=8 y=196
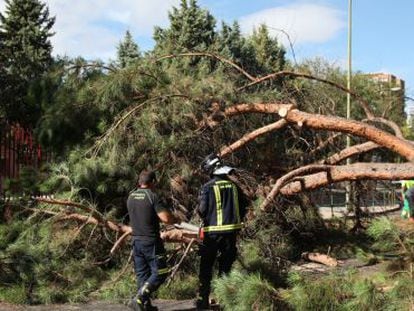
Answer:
x=299 y=180
x=328 y=123
x=357 y=171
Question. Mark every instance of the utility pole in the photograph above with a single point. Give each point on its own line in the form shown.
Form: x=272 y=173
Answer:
x=348 y=97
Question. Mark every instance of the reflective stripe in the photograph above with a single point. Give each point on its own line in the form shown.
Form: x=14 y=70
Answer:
x=236 y=203
x=163 y=271
x=223 y=228
x=222 y=182
x=407 y=183
x=219 y=209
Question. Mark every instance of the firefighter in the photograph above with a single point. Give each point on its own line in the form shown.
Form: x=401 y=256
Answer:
x=145 y=212
x=222 y=206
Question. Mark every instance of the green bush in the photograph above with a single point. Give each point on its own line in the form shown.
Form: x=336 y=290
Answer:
x=244 y=292
x=385 y=233
x=326 y=293
x=348 y=291
x=14 y=294
x=366 y=296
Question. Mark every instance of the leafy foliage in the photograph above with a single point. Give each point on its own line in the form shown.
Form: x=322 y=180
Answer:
x=385 y=232
x=349 y=291
x=48 y=263
x=240 y=291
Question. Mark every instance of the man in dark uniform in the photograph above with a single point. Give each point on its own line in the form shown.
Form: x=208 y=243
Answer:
x=222 y=208
x=145 y=212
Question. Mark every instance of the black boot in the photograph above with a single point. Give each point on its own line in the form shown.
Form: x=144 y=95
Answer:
x=136 y=304
x=142 y=302
x=202 y=303
x=149 y=307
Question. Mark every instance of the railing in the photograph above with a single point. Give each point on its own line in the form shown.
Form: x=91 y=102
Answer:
x=18 y=149
x=382 y=194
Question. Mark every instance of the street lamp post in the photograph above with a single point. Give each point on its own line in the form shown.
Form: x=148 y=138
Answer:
x=348 y=96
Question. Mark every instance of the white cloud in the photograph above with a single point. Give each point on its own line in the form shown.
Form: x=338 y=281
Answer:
x=93 y=28
x=304 y=22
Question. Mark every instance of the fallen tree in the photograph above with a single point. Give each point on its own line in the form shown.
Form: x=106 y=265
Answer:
x=170 y=235
x=286 y=115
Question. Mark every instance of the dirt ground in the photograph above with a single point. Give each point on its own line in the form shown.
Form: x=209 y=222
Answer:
x=163 y=305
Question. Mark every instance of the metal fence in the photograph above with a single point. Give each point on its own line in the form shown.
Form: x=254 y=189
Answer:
x=18 y=149
x=376 y=194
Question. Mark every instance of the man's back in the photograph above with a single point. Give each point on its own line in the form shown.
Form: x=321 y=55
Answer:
x=222 y=206
x=143 y=206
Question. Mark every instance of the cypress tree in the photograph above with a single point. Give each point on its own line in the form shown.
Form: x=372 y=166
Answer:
x=269 y=54
x=233 y=45
x=25 y=29
x=127 y=51
x=191 y=28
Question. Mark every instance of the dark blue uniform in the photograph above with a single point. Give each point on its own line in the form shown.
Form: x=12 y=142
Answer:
x=149 y=253
x=222 y=209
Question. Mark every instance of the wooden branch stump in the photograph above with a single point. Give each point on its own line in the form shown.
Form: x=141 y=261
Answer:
x=320 y=258
x=178 y=236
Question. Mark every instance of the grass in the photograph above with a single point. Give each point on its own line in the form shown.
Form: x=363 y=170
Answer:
x=183 y=286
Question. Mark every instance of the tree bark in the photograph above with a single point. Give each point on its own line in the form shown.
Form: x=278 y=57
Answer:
x=175 y=235
x=328 y=123
x=357 y=171
x=320 y=258
x=349 y=152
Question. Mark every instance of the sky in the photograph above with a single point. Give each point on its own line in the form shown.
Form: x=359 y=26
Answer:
x=381 y=29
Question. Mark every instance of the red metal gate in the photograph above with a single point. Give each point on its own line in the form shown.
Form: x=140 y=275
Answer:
x=18 y=149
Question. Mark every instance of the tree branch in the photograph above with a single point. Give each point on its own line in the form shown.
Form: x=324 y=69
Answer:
x=225 y=151
x=356 y=171
x=83 y=207
x=328 y=123
x=309 y=169
x=389 y=123
x=349 y=152
x=127 y=114
x=211 y=55
x=364 y=104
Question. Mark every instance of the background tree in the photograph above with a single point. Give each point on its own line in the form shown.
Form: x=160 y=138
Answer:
x=69 y=115
x=3 y=74
x=191 y=29
x=26 y=29
x=270 y=54
x=233 y=45
x=127 y=51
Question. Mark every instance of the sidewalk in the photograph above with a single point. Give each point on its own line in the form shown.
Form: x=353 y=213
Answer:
x=326 y=212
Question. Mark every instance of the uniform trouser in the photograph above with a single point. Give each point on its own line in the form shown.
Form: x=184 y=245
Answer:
x=220 y=246
x=150 y=263
x=409 y=195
